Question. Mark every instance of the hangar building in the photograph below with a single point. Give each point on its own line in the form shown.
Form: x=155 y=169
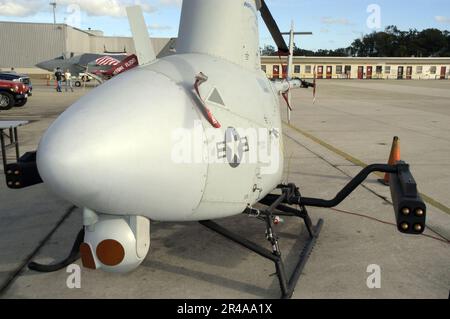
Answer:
x=23 y=45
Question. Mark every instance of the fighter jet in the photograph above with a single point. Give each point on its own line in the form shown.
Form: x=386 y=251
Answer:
x=90 y=62
x=199 y=139
x=79 y=63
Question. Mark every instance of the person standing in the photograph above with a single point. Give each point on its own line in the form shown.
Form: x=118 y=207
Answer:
x=58 y=77
x=68 y=77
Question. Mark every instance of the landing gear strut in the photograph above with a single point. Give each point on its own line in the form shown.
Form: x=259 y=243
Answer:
x=274 y=204
x=409 y=208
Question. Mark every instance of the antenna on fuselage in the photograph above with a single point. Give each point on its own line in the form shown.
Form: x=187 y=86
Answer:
x=283 y=49
x=144 y=48
x=290 y=67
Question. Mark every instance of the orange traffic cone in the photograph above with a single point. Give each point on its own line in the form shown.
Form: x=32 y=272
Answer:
x=393 y=159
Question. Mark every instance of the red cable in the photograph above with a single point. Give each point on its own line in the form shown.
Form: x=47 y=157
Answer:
x=444 y=240
x=286 y=98
x=210 y=117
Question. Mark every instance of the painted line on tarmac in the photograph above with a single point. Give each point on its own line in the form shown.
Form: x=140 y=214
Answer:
x=358 y=162
x=17 y=272
x=20 y=117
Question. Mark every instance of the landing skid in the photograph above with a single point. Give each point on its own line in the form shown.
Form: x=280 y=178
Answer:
x=275 y=206
x=409 y=209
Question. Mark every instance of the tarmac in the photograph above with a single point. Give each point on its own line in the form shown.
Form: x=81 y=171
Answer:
x=351 y=124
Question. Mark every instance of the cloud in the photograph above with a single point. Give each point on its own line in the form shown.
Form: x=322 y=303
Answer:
x=335 y=21
x=19 y=8
x=171 y=2
x=158 y=27
x=110 y=8
x=442 y=19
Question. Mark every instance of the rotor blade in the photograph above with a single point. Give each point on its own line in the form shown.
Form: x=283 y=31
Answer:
x=297 y=33
x=144 y=49
x=273 y=28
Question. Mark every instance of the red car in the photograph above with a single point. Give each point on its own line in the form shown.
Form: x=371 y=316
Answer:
x=12 y=94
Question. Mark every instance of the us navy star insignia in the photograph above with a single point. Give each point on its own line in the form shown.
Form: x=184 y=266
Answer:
x=233 y=147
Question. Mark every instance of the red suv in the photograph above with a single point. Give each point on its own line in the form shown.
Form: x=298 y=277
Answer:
x=12 y=94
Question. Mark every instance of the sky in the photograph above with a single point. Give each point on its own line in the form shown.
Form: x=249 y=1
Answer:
x=335 y=23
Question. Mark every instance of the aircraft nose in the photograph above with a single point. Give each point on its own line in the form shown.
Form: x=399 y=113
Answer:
x=112 y=150
x=40 y=65
x=46 y=65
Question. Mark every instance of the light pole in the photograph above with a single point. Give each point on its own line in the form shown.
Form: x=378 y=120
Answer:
x=53 y=4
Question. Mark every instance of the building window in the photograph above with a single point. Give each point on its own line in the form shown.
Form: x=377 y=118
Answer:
x=379 y=69
x=387 y=69
x=348 y=69
x=433 y=70
x=308 y=69
x=419 y=69
x=264 y=68
x=338 y=69
x=297 y=69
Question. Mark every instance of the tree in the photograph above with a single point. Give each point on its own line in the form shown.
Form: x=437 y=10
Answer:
x=433 y=42
x=391 y=42
x=302 y=52
x=268 y=50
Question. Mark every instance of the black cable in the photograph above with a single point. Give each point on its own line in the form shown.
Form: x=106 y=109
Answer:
x=73 y=256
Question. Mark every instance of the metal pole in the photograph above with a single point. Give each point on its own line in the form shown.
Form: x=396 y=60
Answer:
x=290 y=66
x=292 y=35
x=16 y=143
x=3 y=147
x=53 y=4
x=85 y=77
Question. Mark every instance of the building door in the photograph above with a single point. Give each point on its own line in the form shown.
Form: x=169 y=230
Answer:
x=400 y=72
x=348 y=71
x=329 y=72
x=276 y=72
x=285 y=70
x=443 y=72
x=369 y=72
x=320 y=72
x=409 y=72
x=360 y=72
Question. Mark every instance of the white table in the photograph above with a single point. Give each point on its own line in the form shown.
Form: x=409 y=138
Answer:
x=8 y=130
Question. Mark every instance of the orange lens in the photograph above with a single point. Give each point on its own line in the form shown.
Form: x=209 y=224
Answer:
x=110 y=252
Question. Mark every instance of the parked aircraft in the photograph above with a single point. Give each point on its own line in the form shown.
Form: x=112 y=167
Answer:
x=195 y=136
x=89 y=61
x=79 y=63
